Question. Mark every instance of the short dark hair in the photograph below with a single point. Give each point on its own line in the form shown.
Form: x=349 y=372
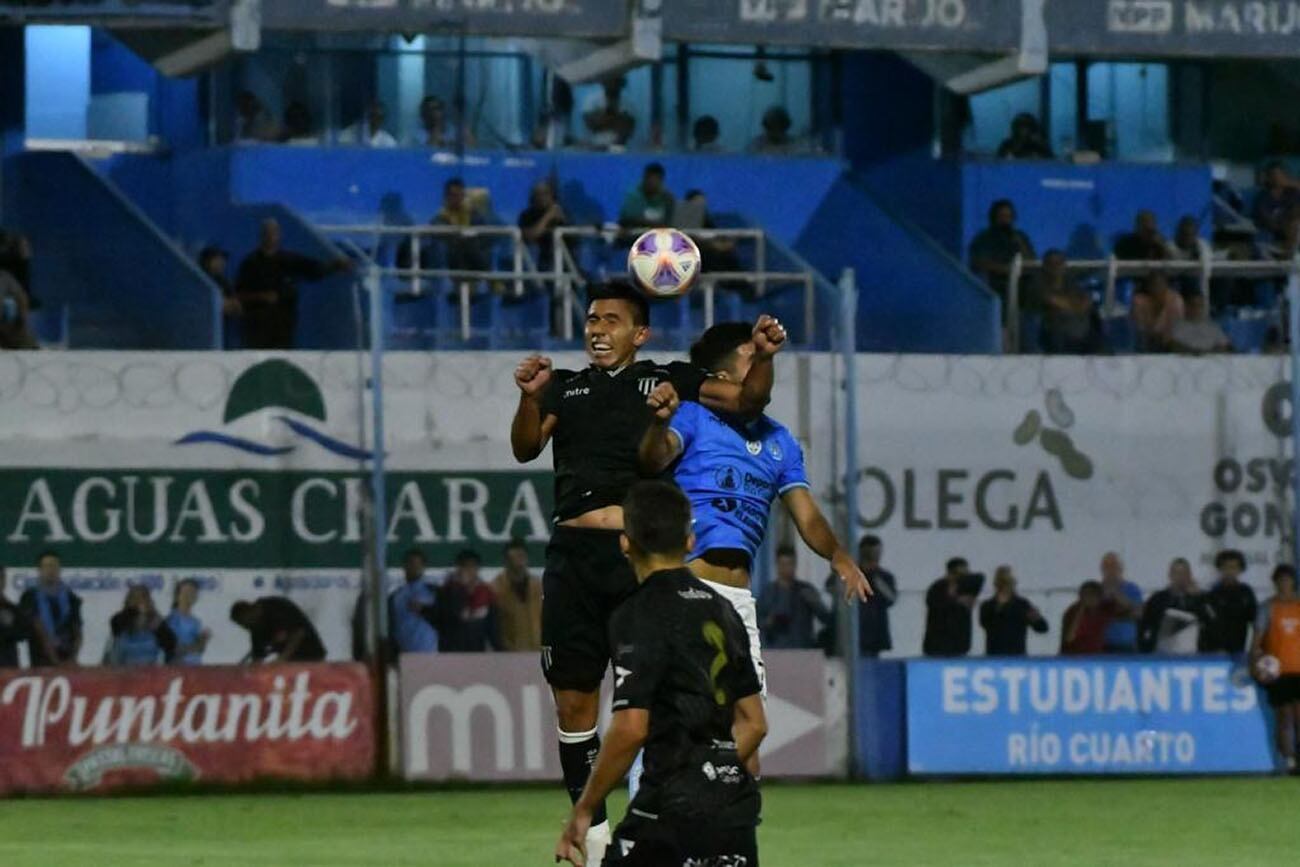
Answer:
x=1283 y=570
x=516 y=544
x=1090 y=586
x=655 y=169
x=870 y=541
x=184 y=582
x=453 y=182
x=414 y=552
x=956 y=563
x=467 y=555
x=785 y=551
x=716 y=345
x=1230 y=554
x=657 y=518
x=706 y=126
x=239 y=609
x=618 y=290
x=48 y=552
x=998 y=205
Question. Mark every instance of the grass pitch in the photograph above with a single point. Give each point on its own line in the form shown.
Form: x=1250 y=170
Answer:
x=1108 y=822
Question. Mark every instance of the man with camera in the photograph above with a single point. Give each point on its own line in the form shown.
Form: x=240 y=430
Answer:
x=948 y=606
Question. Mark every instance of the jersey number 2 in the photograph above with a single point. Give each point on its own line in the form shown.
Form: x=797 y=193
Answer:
x=717 y=640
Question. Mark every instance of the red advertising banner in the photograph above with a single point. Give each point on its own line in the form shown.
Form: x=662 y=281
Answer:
x=73 y=729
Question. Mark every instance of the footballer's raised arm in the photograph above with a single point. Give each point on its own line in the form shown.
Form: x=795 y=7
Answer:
x=751 y=397
x=660 y=445
x=532 y=426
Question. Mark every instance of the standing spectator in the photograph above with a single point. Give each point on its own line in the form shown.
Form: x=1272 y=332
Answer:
x=1026 y=141
x=15 y=315
x=277 y=627
x=1007 y=617
x=1083 y=628
x=1276 y=203
x=873 y=623
x=1233 y=603
x=1177 y=618
x=788 y=606
x=437 y=130
x=54 y=612
x=993 y=250
x=948 y=606
x=15 y=627
x=214 y=261
x=1122 y=604
x=649 y=204
x=543 y=215
x=1144 y=243
x=413 y=608
x=469 y=622
x=369 y=130
x=775 y=138
x=267 y=288
x=1277 y=634
x=608 y=122
x=1069 y=320
x=135 y=631
x=704 y=135
x=519 y=601
x=184 y=638
x=253 y=123
x=1197 y=333
x=1157 y=309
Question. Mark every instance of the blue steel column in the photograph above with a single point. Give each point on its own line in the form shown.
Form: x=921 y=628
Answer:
x=848 y=352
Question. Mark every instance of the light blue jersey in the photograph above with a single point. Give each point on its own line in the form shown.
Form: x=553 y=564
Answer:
x=732 y=473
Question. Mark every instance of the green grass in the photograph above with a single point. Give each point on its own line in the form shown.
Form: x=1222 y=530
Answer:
x=1143 y=822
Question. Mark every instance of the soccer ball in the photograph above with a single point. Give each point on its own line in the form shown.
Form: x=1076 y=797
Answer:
x=664 y=263
x=1267 y=669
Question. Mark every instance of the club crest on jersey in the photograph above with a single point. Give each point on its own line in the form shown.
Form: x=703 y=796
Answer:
x=774 y=449
x=754 y=447
x=647 y=384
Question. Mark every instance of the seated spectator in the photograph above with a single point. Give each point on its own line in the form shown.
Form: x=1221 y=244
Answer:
x=1197 y=333
x=993 y=249
x=413 y=608
x=1144 y=243
x=1008 y=617
x=1178 y=618
x=1026 y=141
x=787 y=607
x=1234 y=604
x=1083 y=628
x=554 y=126
x=267 y=288
x=609 y=123
x=717 y=255
x=54 y=613
x=15 y=626
x=277 y=628
x=135 y=630
x=704 y=135
x=519 y=601
x=775 y=138
x=213 y=262
x=1187 y=244
x=1157 y=308
x=469 y=622
x=253 y=123
x=369 y=130
x=1070 y=323
x=649 y=204
x=16 y=258
x=439 y=131
x=1276 y=203
x=948 y=606
x=463 y=253
x=15 y=315
x=543 y=215
x=183 y=637
x=297 y=129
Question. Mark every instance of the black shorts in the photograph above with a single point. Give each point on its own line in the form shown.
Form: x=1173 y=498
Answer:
x=586 y=578
x=642 y=842
x=1284 y=690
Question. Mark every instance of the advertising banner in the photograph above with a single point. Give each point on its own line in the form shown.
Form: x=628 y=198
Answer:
x=490 y=717
x=568 y=18
x=74 y=729
x=1084 y=716
x=1176 y=28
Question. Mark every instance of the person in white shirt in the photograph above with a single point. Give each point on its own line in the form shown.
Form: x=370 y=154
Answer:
x=369 y=131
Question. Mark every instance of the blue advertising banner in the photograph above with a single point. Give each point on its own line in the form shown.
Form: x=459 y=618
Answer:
x=1084 y=716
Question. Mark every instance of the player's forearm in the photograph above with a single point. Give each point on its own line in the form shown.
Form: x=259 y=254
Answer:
x=656 y=451
x=816 y=532
x=749 y=726
x=618 y=750
x=526 y=429
x=756 y=390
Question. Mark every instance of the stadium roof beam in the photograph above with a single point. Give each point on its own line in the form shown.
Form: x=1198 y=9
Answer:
x=972 y=73
x=577 y=61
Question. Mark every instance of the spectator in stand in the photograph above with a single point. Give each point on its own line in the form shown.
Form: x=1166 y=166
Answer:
x=437 y=130
x=1276 y=203
x=135 y=631
x=15 y=626
x=297 y=128
x=717 y=255
x=787 y=607
x=267 y=288
x=519 y=601
x=1026 y=141
x=1277 y=634
x=463 y=253
x=277 y=627
x=15 y=315
x=1197 y=333
x=1144 y=243
x=16 y=258
x=413 y=608
x=253 y=123
x=1157 y=310
x=369 y=130
x=775 y=138
x=610 y=125
x=543 y=215
x=1083 y=628
x=649 y=204
x=1233 y=603
x=469 y=622
x=214 y=263
x=1007 y=617
x=948 y=606
x=873 y=623
x=183 y=636
x=1187 y=244
x=1070 y=323
x=1122 y=604
x=1176 y=619
x=54 y=612
x=993 y=250
x=704 y=135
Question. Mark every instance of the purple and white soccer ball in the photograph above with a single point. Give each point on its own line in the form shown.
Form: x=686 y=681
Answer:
x=664 y=263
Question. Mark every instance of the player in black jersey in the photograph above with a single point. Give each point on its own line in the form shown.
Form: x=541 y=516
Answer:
x=685 y=689
x=594 y=419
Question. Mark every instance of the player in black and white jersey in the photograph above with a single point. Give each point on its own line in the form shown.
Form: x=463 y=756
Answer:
x=594 y=419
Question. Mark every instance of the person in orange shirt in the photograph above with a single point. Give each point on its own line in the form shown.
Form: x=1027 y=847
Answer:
x=1277 y=634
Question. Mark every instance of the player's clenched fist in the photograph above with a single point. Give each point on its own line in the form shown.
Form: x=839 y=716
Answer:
x=533 y=374
x=664 y=401
x=769 y=336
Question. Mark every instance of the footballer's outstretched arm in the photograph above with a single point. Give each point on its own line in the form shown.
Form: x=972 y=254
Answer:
x=815 y=530
x=751 y=397
x=749 y=726
x=660 y=446
x=626 y=735
x=531 y=429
